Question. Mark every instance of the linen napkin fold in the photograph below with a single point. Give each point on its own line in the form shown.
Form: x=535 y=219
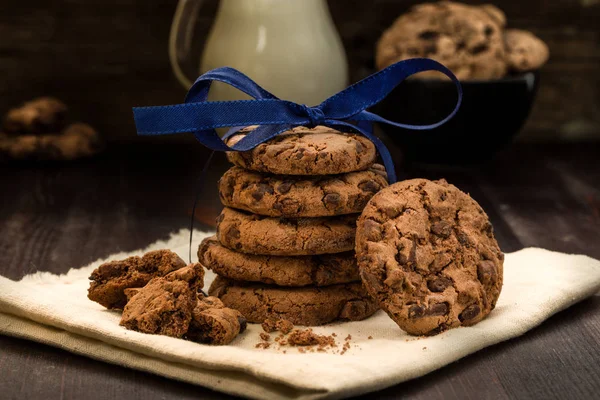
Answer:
x=54 y=309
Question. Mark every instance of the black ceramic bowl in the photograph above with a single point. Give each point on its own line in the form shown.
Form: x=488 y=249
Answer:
x=492 y=113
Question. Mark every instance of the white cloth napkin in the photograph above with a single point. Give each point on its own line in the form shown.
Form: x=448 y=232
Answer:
x=54 y=310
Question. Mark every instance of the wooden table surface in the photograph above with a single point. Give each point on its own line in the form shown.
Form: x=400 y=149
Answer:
x=57 y=216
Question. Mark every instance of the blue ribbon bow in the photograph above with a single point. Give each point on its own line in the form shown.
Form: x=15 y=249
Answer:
x=274 y=116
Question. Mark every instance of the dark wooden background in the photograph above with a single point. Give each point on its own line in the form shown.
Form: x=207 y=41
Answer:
x=104 y=56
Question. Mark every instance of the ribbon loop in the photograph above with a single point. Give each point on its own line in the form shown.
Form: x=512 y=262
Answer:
x=274 y=116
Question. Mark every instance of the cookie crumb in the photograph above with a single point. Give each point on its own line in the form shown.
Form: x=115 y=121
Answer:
x=424 y=348
x=273 y=324
x=349 y=337
x=307 y=338
x=265 y=336
x=370 y=337
x=262 y=345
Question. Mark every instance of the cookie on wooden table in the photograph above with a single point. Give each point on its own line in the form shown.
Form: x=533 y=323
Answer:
x=41 y=115
x=305 y=151
x=255 y=234
x=524 y=50
x=308 y=306
x=317 y=270
x=426 y=251
x=300 y=196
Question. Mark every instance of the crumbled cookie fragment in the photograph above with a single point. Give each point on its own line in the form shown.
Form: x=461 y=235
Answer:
x=110 y=279
x=265 y=336
x=307 y=337
x=274 y=323
x=41 y=115
x=213 y=323
x=161 y=307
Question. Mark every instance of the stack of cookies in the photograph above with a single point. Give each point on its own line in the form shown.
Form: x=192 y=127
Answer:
x=285 y=241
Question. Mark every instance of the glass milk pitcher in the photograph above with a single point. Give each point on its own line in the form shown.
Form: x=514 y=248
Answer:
x=289 y=47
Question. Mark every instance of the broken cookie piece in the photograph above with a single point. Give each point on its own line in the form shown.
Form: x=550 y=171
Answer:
x=193 y=274
x=162 y=307
x=212 y=323
x=110 y=279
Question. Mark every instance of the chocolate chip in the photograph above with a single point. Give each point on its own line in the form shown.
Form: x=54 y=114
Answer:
x=369 y=186
x=429 y=35
x=416 y=311
x=438 y=309
x=442 y=228
x=401 y=258
x=261 y=190
x=430 y=49
x=243 y=323
x=287 y=206
x=359 y=147
x=461 y=45
x=469 y=313
x=300 y=153
x=479 y=49
x=284 y=187
x=233 y=233
x=372 y=230
x=332 y=199
x=486 y=272
x=438 y=284
x=463 y=239
x=488 y=30
x=392 y=211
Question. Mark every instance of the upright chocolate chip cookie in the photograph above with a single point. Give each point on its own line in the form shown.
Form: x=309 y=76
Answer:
x=306 y=306
x=318 y=270
x=255 y=234
x=525 y=51
x=466 y=39
x=426 y=251
x=300 y=196
x=303 y=151
x=110 y=279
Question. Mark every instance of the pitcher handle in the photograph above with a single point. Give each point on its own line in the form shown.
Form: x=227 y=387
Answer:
x=180 y=38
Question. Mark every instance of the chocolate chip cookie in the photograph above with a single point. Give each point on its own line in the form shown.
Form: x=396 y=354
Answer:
x=317 y=270
x=255 y=234
x=525 y=51
x=110 y=279
x=466 y=39
x=295 y=196
x=162 y=307
x=426 y=251
x=307 y=306
x=304 y=151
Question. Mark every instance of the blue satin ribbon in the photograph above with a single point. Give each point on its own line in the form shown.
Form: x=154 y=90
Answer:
x=345 y=111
